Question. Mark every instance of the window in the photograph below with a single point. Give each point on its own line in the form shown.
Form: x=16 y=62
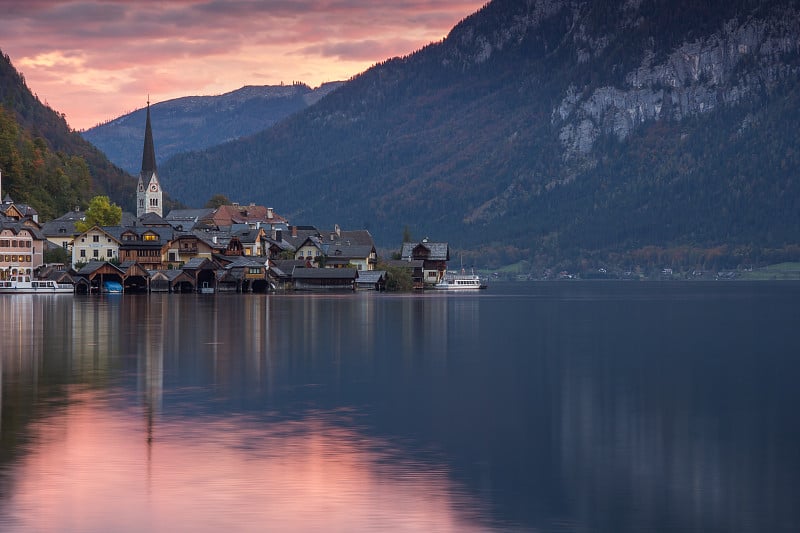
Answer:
x=141 y=203
x=109 y=253
x=95 y=238
x=171 y=257
x=64 y=244
x=83 y=253
x=153 y=202
x=150 y=237
x=96 y=253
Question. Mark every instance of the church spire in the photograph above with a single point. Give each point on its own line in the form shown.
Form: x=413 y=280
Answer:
x=149 y=152
x=149 y=196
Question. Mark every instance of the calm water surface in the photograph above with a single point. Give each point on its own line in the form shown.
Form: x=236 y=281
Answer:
x=527 y=407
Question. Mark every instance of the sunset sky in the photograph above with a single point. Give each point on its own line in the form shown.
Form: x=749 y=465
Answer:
x=95 y=60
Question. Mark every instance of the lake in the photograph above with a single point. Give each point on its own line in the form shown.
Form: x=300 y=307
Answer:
x=549 y=406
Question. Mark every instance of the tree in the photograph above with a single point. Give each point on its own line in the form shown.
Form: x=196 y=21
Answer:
x=57 y=255
x=101 y=212
x=217 y=200
x=398 y=279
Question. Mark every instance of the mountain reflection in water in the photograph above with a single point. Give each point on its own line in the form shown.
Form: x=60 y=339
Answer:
x=554 y=407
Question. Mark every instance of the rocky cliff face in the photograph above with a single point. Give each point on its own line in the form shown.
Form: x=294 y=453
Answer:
x=740 y=62
x=744 y=59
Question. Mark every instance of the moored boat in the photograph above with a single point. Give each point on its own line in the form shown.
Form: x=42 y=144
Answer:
x=460 y=282
x=25 y=285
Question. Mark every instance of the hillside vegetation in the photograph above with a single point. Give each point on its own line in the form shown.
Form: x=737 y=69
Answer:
x=44 y=163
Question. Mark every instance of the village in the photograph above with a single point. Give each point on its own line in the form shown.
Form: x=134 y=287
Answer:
x=230 y=248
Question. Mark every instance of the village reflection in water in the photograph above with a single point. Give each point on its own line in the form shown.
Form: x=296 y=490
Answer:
x=99 y=460
x=548 y=410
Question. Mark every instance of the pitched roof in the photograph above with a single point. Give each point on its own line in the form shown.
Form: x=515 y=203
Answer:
x=348 y=252
x=57 y=227
x=287 y=265
x=359 y=237
x=188 y=215
x=437 y=251
x=246 y=262
x=324 y=273
x=371 y=276
x=227 y=215
x=93 y=266
x=19 y=225
x=152 y=219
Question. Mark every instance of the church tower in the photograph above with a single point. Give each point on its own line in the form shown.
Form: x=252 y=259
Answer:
x=148 y=192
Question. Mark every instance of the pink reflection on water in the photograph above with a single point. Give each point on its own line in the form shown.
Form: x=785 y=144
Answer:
x=91 y=468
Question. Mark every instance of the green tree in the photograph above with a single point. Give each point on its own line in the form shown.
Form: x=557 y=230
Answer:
x=217 y=200
x=398 y=279
x=57 y=255
x=101 y=212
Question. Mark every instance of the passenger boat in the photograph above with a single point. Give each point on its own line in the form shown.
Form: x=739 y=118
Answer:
x=24 y=285
x=460 y=282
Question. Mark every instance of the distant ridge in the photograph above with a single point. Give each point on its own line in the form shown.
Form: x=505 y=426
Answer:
x=197 y=122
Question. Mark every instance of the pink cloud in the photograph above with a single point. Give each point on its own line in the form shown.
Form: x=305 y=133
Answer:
x=89 y=58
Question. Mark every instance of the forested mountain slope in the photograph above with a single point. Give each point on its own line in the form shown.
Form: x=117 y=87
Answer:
x=45 y=163
x=551 y=130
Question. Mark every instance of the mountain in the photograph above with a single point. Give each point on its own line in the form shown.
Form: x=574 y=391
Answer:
x=552 y=131
x=198 y=122
x=44 y=163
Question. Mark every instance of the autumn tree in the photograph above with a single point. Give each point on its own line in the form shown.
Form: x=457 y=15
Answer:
x=217 y=200
x=101 y=212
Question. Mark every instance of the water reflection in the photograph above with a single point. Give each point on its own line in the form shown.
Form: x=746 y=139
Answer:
x=558 y=408
x=219 y=474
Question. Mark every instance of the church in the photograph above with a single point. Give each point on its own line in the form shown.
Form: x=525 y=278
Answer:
x=149 y=196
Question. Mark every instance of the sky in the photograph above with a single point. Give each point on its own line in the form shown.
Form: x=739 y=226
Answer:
x=95 y=60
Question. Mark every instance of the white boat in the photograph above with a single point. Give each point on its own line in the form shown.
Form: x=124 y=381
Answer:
x=460 y=282
x=24 y=285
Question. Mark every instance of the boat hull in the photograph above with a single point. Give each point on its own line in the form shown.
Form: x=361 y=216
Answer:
x=34 y=287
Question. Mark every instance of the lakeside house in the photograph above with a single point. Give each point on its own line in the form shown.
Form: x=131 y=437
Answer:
x=434 y=257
